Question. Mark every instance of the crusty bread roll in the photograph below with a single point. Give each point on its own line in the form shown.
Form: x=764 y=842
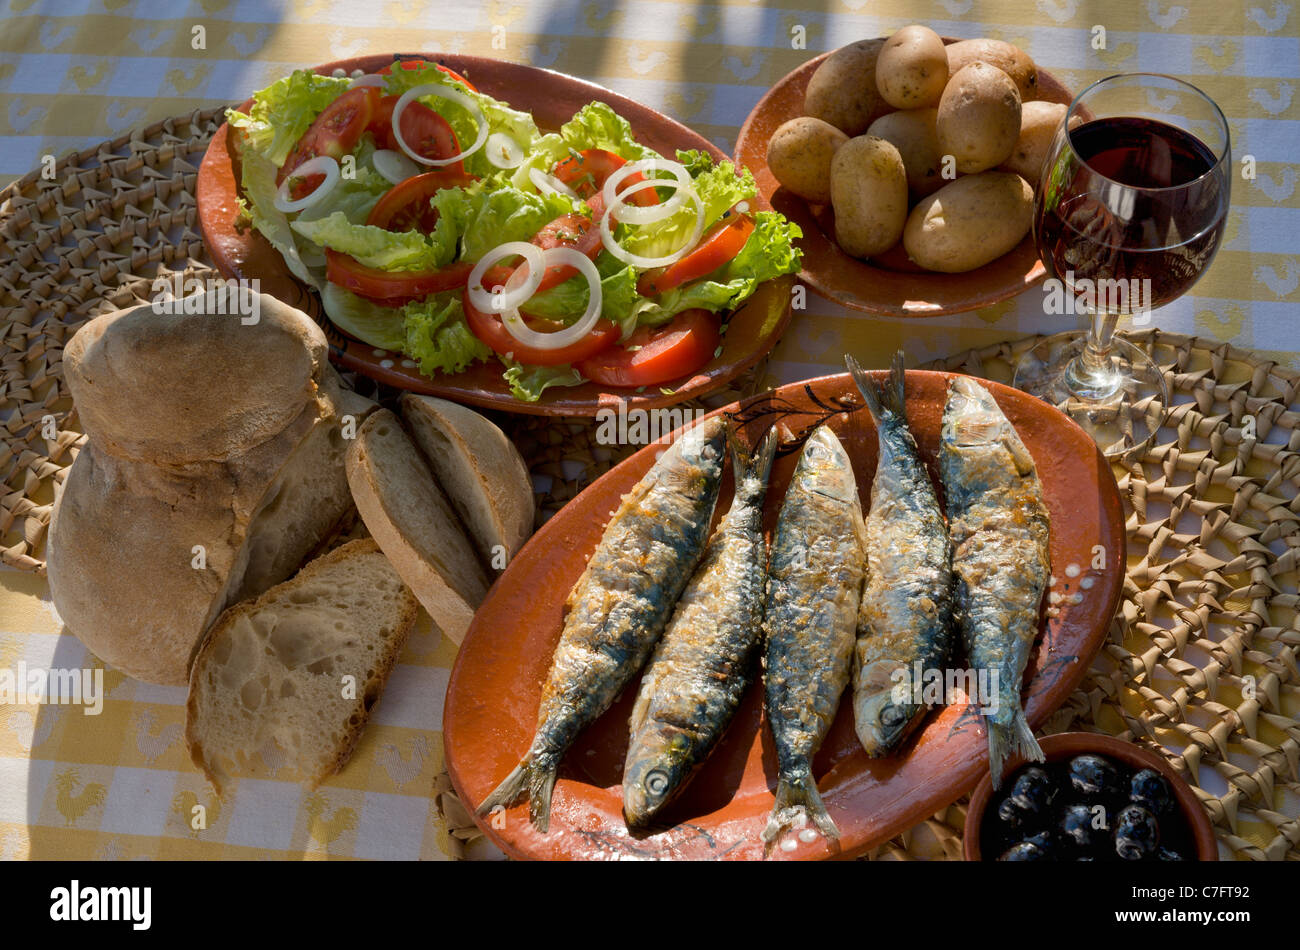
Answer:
x=214 y=464
x=410 y=517
x=268 y=687
x=481 y=471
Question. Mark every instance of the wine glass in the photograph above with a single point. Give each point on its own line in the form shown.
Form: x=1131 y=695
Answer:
x=1128 y=213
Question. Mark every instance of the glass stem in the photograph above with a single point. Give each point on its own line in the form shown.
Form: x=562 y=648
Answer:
x=1091 y=375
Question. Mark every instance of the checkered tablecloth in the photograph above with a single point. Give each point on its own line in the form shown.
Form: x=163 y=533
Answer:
x=78 y=71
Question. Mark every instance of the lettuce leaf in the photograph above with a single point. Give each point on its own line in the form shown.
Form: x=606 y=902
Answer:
x=369 y=322
x=720 y=187
x=488 y=216
x=351 y=197
x=527 y=383
x=769 y=252
x=258 y=181
x=437 y=336
x=566 y=302
x=375 y=247
x=283 y=111
x=596 y=125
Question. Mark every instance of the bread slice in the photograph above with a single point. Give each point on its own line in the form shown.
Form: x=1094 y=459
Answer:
x=407 y=513
x=269 y=683
x=481 y=471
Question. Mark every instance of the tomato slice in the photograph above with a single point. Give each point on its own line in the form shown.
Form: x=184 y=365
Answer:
x=335 y=133
x=416 y=63
x=405 y=206
x=722 y=243
x=586 y=172
x=425 y=132
x=489 y=328
x=665 y=353
x=392 y=287
x=568 y=230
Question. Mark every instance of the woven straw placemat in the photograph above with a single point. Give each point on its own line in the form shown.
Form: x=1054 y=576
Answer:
x=1200 y=659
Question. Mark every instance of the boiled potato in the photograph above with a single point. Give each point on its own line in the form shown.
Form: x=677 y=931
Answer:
x=912 y=132
x=969 y=222
x=843 y=89
x=869 y=195
x=913 y=68
x=800 y=153
x=979 y=117
x=1039 y=121
x=1012 y=60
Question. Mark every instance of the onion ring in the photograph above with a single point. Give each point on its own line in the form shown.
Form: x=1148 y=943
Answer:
x=636 y=260
x=525 y=334
x=493 y=301
x=550 y=185
x=320 y=165
x=634 y=214
x=451 y=95
x=503 y=151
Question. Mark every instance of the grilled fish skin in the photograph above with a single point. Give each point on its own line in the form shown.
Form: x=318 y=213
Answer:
x=617 y=610
x=999 y=527
x=814 y=582
x=905 y=616
x=704 y=662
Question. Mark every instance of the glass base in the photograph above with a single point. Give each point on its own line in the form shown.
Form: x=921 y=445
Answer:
x=1121 y=406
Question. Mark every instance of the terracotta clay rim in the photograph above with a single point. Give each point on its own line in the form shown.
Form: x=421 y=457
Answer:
x=753 y=330
x=864 y=286
x=1068 y=744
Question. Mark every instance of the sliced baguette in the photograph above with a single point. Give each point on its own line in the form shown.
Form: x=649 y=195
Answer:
x=268 y=684
x=481 y=471
x=407 y=513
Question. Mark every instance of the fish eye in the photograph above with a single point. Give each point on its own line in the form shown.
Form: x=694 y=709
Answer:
x=656 y=782
x=892 y=716
x=814 y=451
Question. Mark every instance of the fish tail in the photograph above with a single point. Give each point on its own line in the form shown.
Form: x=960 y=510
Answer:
x=537 y=777
x=893 y=395
x=797 y=796
x=865 y=386
x=1008 y=739
x=755 y=465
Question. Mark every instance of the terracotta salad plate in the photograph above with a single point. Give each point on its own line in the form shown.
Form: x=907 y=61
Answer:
x=552 y=98
x=495 y=687
x=890 y=285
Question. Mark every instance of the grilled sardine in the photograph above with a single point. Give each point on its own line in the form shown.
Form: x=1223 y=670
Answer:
x=905 y=618
x=618 y=609
x=702 y=665
x=813 y=587
x=999 y=528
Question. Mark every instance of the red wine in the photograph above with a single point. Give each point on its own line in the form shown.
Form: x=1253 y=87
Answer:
x=1161 y=231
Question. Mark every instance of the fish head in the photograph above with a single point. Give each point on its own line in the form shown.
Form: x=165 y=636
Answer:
x=974 y=426
x=697 y=454
x=649 y=783
x=881 y=722
x=824 y=466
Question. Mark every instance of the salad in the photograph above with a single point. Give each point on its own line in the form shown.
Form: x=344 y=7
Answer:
x=440 y=223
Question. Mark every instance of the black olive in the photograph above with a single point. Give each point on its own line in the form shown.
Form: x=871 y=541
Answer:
x=1095 y=779
x=1085 y=857
x=1168 y=854
x=1149 y=789
x=1044 y=841
x=1023 y=851
x=1137 y=833
x=1077 y=827
x=1028 y=803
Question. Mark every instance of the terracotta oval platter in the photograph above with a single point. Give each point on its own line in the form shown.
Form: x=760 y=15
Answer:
x=495 y=686
x=890 y=285
x=552 y=98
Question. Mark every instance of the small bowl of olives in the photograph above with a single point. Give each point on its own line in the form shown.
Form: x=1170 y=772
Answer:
x=1095 y=798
